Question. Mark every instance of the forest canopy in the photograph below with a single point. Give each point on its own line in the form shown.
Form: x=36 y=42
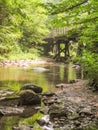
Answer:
x=22 y=23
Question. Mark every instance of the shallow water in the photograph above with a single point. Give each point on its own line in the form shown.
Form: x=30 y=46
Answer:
x=14 y=77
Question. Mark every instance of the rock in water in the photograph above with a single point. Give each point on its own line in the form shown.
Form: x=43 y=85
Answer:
x=28 y=97
x=40 y=69
x=32 y=87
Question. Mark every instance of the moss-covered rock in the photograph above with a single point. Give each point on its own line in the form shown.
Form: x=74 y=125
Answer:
x=28 y=97
x=32 y=87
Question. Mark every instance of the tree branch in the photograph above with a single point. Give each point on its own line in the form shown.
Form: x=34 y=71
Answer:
x=77 y=5
x=88 y=20
x=70 y=8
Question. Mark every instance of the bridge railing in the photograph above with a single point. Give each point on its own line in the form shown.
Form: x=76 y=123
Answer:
x=58 y=31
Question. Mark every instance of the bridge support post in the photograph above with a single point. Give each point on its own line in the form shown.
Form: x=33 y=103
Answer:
x=62 y=53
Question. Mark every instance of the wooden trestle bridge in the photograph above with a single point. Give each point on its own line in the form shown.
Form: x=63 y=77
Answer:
x=58 y=43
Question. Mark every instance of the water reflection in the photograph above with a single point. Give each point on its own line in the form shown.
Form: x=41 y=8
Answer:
x=58 y=73
x=14 y=78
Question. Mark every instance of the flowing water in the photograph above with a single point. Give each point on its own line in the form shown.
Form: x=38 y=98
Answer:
x=47 y=76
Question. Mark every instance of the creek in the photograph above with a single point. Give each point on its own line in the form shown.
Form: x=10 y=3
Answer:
x=12 y=78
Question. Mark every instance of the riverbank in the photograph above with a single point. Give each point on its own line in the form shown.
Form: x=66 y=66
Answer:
x=73 y=107
x=25 y=63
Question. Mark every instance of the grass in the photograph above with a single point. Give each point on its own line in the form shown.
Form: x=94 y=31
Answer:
x=23 y=56
x=19 y=56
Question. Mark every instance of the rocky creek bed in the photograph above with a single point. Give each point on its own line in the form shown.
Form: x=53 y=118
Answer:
x=25 y=63
x=73 y=107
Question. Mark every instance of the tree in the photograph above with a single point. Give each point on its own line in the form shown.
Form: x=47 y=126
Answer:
x=22 y=23
x=82 y=15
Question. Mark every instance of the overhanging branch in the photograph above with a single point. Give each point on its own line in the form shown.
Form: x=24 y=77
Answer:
x=88 y=20
x=70 y=8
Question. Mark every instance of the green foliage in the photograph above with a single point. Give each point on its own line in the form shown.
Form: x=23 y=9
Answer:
x=82 y=17
x=92 y=127
x=89 y=63
x=24 y=55
x=22 y=23
x=32 y=121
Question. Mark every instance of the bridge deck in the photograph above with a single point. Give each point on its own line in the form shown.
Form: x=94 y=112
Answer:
x=59 y=32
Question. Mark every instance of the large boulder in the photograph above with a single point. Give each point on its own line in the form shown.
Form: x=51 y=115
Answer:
x=32 y=87
x=28 y=97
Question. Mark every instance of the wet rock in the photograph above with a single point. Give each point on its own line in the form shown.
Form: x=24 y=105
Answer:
x=41 y=122
x=1 y=113
x=77 y=123
x=45 y=123
x=37 y=108
x=49 y=102
x=44 y=120
x=72 y=81
x=85 y=111
x=49 y=94
x=5 y=93
x=57 y=112
x=32 y=87
x=10 y=101
x=60 y=86
x=76 y=66
x=47 y=128
x=22 y=127
x=40 y=69
x=24 y=97
x=28 y=97
x=74 y=116
x=8 y=111
x=44 y=110
x=96 y=115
